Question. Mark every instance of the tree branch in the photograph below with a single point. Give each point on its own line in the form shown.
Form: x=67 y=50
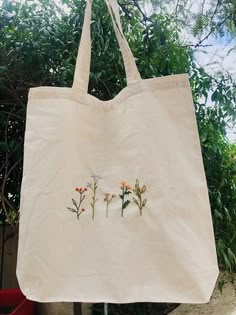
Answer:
x=192 y=45
x=126 y=12
x=203 y=4
x=176 y=8
x=212 y=30
x=145 y=18
x=3 y=197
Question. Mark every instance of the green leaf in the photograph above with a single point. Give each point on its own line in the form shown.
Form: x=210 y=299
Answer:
x=126 y=203
x=71 y=209
x=74 y=202
x=221 y=284
x=127 y=192
x=215 y=96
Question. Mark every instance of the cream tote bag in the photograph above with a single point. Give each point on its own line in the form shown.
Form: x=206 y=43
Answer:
x=114 y=201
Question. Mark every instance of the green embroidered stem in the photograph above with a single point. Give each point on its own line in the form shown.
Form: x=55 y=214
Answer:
x=108 y=198
x=140 y=205
x=94 y=198
x=107 y=209
x=78 y=205
x=123 y=202
x=94 y=187
x=138 y=191
x=80 y=202
x=125 y=190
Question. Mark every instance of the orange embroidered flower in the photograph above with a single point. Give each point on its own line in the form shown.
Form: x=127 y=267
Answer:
x=124 y=184
x=125 y=191
x=128 y=186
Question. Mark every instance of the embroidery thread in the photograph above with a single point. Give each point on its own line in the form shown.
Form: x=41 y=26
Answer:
x=139 y=201
x=125 y=191
x=125 y=188
x=78 y=210
x=94 y=186
x=108 y=199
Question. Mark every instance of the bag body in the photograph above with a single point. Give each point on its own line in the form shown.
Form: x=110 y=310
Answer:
x=114 y=202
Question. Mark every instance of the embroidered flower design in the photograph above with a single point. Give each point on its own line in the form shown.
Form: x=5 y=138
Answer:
x=108 y=198
x=138 y=191
x=94 y=186
x=125 y=191
x=77 y=206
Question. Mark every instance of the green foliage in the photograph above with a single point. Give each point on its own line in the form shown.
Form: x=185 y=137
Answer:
x=217 y=91
x=201 y=22
x=221 y=177
x=202 y=18
x=38 y=46
x=219 y=157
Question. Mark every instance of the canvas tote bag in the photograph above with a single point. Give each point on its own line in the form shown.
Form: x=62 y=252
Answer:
x=114 y=202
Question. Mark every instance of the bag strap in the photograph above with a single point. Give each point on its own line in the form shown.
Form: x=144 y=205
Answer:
x=82 y=68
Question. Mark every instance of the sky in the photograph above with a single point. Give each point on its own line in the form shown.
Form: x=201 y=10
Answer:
x=219 y=56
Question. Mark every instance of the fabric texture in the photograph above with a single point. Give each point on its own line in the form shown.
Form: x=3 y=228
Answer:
x=143 y=232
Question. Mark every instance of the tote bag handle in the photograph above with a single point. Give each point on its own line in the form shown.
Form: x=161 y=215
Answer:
x=82 y=68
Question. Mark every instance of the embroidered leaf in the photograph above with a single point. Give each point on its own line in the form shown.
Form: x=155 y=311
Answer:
x=71 y=209
x=128 y=192
x=74 y=202
x=144 y=202
x=143 y=189
x=126 y=203
x=135 y=201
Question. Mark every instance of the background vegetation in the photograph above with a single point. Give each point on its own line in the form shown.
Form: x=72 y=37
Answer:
x=38 y=46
